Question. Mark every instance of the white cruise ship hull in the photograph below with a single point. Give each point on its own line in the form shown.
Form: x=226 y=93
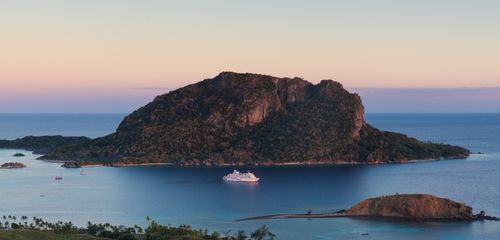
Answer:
x=240 y=180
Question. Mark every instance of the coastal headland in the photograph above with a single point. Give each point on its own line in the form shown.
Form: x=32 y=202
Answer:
x=407 y=207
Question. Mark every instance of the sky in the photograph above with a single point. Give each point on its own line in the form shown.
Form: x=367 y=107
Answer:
x=116 y=55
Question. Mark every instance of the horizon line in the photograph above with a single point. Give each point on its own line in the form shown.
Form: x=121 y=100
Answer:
x=124 y=113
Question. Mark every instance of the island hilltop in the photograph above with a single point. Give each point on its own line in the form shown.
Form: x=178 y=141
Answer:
x=252 y=119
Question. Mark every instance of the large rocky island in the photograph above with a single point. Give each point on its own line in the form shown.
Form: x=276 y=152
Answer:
x=252 y=119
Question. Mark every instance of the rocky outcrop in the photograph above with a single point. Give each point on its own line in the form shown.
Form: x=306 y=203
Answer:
x=11 y=165
x=71 y=165
x=412 y=206
x=42 y=144
x=252 y=119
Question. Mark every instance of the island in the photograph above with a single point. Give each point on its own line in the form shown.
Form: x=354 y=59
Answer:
x=412 y=207
x=18 y=155
x=11 y=165
x=42 y=144
x=249 y=119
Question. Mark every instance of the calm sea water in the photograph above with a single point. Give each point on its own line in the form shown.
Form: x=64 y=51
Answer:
x=199 y=197
x=14 y=126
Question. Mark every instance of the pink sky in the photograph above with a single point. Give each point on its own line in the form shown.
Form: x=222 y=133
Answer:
x=94 y=53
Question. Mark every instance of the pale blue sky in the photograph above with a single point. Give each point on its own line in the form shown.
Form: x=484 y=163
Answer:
x=80 y=55
x=444 y=100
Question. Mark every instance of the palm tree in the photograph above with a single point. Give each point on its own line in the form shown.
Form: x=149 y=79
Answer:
x=138 y=228
x=241 y=235
x=262 y=233
x=36 y=221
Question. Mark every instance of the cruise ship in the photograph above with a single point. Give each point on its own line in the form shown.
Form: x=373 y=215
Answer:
x=240 y=177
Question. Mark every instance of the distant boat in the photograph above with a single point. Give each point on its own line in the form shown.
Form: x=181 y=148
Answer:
x=240 y=177
x=58 y=178
x=83 y=173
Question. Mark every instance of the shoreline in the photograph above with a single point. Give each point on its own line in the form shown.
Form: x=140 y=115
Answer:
x=266 y=164
x=137 y=164
x=90 y=165
x=285 y=164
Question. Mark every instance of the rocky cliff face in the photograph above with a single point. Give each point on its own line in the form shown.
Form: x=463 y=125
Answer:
x=253 y=119
x=413 y=206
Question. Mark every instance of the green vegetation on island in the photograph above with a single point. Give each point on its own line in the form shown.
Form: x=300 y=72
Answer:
x=42 y=144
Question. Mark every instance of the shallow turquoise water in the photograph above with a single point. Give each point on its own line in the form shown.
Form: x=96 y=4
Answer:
x=199 y=197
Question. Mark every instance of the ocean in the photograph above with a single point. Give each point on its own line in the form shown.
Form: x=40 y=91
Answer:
x=199 y=197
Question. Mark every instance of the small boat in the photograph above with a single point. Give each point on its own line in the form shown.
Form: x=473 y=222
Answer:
x=83 y=173
x=236 y=176
x=58 y=178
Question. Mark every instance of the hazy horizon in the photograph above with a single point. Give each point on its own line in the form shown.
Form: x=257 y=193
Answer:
x=375 y=100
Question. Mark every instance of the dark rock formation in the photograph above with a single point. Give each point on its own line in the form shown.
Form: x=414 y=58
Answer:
x=253 y=119
x=18 y=155
x=42 y=144
x=10 y=165
x=71 y=164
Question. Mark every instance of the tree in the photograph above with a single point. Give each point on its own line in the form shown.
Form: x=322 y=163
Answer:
x=14 y=225
x=241 y=235
x=138 y=228
x=262 y=233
